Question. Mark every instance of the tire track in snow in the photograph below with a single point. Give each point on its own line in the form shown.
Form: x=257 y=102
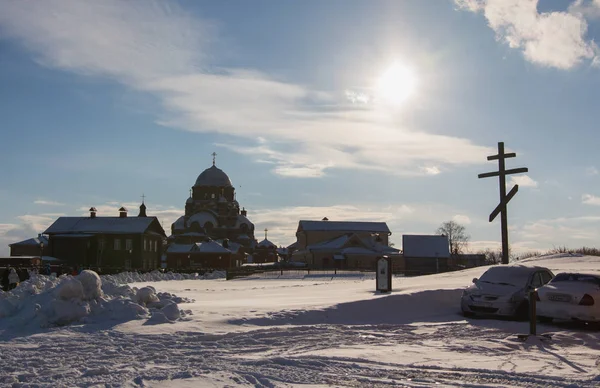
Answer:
x=263 y=358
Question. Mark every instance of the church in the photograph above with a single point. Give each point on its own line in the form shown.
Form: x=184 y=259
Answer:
x=212 y=215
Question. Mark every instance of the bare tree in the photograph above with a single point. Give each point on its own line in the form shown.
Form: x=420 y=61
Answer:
x=457 y=236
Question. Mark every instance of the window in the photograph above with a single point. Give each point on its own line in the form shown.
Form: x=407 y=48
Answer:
x=546 y=277
x=128 y=244
x=537 y=280
x=101 y=244
x=145 y=244
x=117 y=244
x=155 y=245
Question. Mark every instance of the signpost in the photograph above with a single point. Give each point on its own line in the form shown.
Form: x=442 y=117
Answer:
x=504 y=198
x=384 y=274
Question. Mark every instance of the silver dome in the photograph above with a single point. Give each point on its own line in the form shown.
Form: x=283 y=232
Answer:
x=214 y=177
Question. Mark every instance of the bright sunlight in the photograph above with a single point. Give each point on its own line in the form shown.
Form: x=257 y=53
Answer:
x=396 y=85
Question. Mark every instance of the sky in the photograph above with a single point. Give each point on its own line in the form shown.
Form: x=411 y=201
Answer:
x=350 y=110
x=295 y=330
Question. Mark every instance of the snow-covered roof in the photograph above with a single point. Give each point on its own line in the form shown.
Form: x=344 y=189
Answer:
x=210 y=247
x=358 y=251
x=68 y=225
x=180 y=248
x=425 y=246
x=179 y=224
x=344 y=226
x=193 y=234
x=243 y=220
x=233 y=247
x=334 y=243
x=202 y=218
x=74 y=235
x=266 y=244
x=34 y=241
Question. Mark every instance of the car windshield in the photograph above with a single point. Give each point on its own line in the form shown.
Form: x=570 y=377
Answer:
x=576 y=277
x=508 y=276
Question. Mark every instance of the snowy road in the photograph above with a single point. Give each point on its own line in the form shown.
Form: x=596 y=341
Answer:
x=280 y=356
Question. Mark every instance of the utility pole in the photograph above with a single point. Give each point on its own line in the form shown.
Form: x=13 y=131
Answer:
x=504 y=198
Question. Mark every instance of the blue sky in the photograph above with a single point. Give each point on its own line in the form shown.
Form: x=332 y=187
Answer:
x=353 y=110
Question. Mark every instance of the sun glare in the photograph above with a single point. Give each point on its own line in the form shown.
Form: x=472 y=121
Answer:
x=396 y=85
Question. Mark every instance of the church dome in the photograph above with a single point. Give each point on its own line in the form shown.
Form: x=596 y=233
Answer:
x=213 y=177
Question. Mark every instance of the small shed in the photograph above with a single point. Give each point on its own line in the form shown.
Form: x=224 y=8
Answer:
x=425 y=254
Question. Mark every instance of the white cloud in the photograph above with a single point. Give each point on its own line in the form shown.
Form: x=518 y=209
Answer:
x=47 y=203
x=523 y=181
x=433 y=170
x=160 y=49
x=462 y=219
x=573 y=232
x=587 y=9
x=554 y=39
x=589 y=199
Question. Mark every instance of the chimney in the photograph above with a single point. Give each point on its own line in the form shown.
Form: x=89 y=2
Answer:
x=93 y=212
x=122 y=212
x=243 y=212
x=225 y=243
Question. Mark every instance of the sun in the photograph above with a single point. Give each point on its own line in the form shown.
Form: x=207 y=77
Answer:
x=396 y=84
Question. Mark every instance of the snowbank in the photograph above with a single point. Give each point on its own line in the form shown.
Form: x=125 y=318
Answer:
x=156 y=276
x=44 y=301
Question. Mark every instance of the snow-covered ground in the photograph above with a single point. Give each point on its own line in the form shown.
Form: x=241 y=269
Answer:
x=260 y=332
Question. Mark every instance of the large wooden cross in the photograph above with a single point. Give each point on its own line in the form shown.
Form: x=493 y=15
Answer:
x=504 y=198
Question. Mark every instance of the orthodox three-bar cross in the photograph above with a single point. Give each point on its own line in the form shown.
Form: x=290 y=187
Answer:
x=504 y=198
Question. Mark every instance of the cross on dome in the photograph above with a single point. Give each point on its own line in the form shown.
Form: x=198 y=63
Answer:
x=266 y=230
x=214 y=155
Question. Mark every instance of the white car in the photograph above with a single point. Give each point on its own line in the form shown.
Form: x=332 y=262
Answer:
x=504 y=290
x=570 y=296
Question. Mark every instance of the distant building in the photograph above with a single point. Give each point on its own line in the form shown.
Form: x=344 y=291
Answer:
x=265 y=252
x=107 y=242
x=211 y=214
x=425 y=254
x=36 y=246
x=342 y=244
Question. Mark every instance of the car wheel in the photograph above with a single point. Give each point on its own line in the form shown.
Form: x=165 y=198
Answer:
x=522 y=313
x=468 y=314
x=543 y=319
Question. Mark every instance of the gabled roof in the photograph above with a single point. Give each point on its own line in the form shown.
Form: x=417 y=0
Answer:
x=35 y=241
x=344 y=226
x=210 y=247
x=116 y=225
x=425 y=246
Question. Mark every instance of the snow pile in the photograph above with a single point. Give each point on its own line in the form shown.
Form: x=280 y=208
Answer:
x=45 y=301
x=156 y=276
